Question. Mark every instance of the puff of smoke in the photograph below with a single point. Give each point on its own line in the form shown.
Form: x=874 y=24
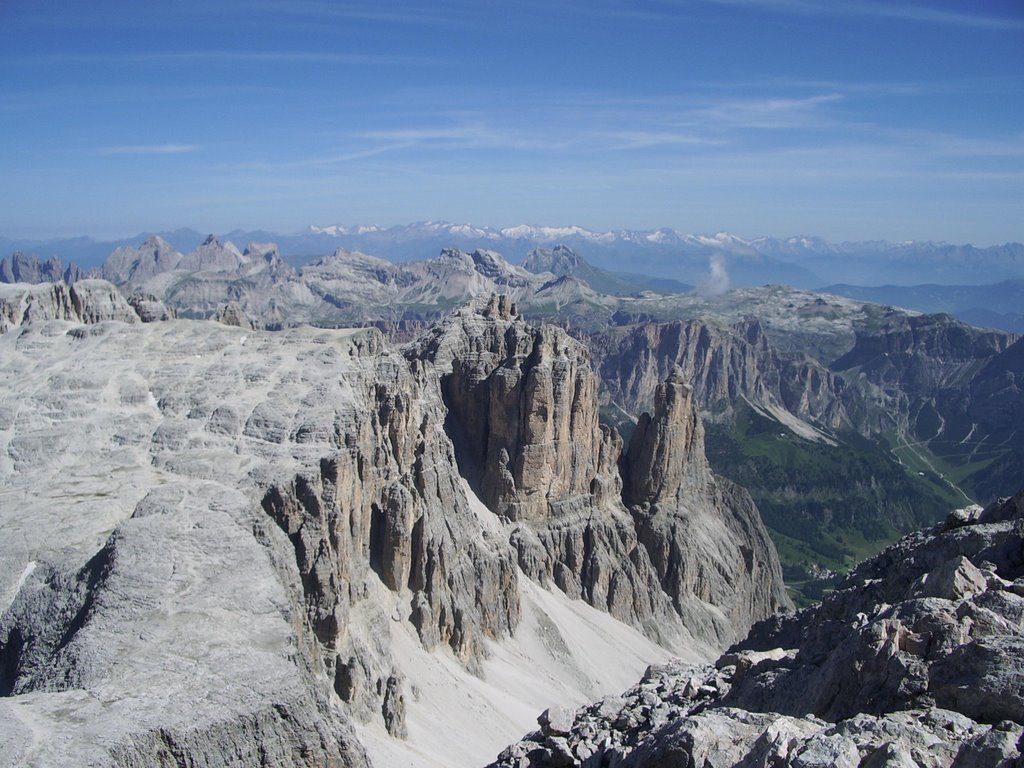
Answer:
x=716 y=281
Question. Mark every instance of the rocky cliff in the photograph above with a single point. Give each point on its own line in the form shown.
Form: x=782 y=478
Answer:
x=128 y=264
x=946 y=386
x=151 y=612
x=86 y=301
x=523 y=415
x=722 y=365
x=234 y=547
x=913 y=660
x=925 y=361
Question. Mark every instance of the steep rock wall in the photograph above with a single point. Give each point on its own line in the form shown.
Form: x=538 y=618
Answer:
x=703 y=534
x=389 y=504
x=524 y=419
x=523 y=408
x=721 y=365
x=912 y=362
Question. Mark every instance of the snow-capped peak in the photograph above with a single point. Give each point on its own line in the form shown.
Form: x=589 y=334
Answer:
x=337 y=230
x=531 y=232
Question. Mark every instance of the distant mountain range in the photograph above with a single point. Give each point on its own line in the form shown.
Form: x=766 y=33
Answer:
x=804 y=262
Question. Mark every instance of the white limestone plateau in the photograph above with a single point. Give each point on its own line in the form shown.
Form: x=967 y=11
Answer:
x=229 y=547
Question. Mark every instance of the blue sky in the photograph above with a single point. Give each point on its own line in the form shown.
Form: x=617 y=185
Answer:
x=849 y=119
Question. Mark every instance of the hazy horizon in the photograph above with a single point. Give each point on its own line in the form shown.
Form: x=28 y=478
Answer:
x=307 y=230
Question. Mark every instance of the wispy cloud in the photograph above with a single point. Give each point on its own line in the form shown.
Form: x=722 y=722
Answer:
x=426 y=14
x=650 y=139
x=148 y=149
x=320 y=161
x=911 y=12
x=226 y=57
x=163 y=16
x=470 y=135
x=906 y=11
x=770 y=113
x=1005 y=147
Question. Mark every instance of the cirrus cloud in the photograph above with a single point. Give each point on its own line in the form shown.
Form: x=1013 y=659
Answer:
x=148 y=149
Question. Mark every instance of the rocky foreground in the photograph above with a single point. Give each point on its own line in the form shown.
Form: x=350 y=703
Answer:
x=917 y=659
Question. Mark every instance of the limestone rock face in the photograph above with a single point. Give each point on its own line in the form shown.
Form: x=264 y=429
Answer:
x=721 y=365
x=703 y=534
x=86 y=301
x=390 y=499
x=231 y=514
x=914 y=660
x=149 y=308
x=912 y=361
x=212 y=256
x=136 y=265
x=523 y=405
x=666 y=452
x=232 y=314
x=524 y=419
x=996 y=392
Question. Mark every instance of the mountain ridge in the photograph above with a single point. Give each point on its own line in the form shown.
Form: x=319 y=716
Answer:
x=803 y=261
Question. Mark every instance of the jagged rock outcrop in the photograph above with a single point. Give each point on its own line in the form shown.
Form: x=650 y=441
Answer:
x=390 y=501
x=523 y=416
x=702 y=557
x=212 y=256
x=523 y=405
x=19 y=268
x=265 y=259
x=652 y=466
x=997 y=392
x=199 y=283
x=560 y=260
x=913 y=660
x=86 y=301
x=950 y=387
x=912 y=362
